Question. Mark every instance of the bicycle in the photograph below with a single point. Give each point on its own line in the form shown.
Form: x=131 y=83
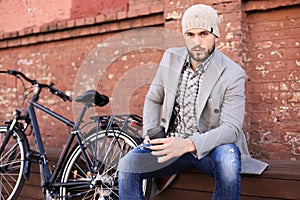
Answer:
x=87 y=166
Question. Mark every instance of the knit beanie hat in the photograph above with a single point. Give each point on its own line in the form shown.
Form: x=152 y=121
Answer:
x=201 y=16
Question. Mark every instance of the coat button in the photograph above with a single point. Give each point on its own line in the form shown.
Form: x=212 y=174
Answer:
x=216 y=110
x=163 y=120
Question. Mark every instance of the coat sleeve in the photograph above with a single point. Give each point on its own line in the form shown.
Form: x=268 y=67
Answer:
x=232 y=110
x=161 y=94
x=154 y=100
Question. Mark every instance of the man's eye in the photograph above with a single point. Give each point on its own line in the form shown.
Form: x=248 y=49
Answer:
x=189 y=34
x=204 y=33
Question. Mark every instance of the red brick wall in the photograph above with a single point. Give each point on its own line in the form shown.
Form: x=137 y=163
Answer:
x=273 y=70
x=16 y=15
x=55 y=49
x=54 y=53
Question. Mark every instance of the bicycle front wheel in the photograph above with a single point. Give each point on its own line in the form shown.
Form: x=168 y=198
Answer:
x=104 y=150
x=12 y=161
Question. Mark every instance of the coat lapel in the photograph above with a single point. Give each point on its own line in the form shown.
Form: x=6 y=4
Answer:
x=177 y=65
x=211 y=76
x=173 y=79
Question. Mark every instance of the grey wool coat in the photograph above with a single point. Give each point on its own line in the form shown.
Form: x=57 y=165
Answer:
x=220 y=105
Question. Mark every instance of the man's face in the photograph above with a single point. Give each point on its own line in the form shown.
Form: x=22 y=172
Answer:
x=200 y=44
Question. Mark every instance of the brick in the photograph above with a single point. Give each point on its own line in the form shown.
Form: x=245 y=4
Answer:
x=74 y=33
x=21 y=32
x=114 y=26
x=80 y=22
x=83 y=32
x=147 y=21
x=156 y=9
x=44 y=28
x=110 y=16
x=24 y=41
x=28 y=30
x=6 y=35
x=62 y=25
x=14 y=34
x=132 y=13
x=171 y=24
x=103 y=28
x=126 y=24
x=89 y=20
x=158 y=19
x=70 y=23
x=121 y=15
x=3 y=44
x=32 y=39
x=52 y=27
x=36 y=29
x=57 y=36
x=143 y=11
x=47 y=38
x=93 y=30
x=9 y=43
x=39 y=38
x=100 y=18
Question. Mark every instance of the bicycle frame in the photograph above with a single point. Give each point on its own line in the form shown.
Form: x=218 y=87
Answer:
x=58 y=182
x=48 y=178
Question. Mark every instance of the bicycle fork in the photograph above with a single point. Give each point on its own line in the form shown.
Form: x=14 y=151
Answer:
x=10 y=133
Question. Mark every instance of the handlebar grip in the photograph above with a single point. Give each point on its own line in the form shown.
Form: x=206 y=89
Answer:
x=59 y=93
x=64 y=96
x=12 y=72
x=15 y=73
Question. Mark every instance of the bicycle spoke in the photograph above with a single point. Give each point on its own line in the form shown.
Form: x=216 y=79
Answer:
x=11 y=166
x=9 y=153
x=8 y=182
x=82 y=171
x=112 y=147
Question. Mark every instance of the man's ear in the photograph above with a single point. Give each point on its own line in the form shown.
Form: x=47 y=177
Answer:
x=216 y=39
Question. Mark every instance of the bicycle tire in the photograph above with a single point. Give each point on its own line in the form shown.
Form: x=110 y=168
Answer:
x=106 y=174
x=12 y=162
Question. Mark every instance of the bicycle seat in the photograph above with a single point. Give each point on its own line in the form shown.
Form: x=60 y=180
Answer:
x=92 y=96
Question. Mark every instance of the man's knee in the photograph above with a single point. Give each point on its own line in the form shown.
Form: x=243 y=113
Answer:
x=227 y=153
x=227 y=160
x=138 y=161
x=128 y=163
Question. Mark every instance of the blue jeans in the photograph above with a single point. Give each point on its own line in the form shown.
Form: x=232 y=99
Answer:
x=223 y=163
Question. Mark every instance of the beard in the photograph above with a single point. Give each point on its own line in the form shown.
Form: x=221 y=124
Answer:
x=199 y=54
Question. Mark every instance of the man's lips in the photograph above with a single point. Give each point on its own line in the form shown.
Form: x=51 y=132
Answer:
x=198 y=49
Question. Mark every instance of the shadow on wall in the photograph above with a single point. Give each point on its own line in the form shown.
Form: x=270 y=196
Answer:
x=92 y=8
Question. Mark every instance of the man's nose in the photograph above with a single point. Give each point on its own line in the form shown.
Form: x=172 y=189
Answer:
x=198 y=39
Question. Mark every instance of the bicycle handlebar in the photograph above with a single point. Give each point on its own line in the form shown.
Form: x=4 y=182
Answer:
x=52 y=89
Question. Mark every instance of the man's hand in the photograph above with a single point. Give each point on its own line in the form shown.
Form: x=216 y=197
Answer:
x=167 y=148
x=146 y=140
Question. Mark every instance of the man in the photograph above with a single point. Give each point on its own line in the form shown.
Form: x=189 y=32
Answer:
x=198 y=96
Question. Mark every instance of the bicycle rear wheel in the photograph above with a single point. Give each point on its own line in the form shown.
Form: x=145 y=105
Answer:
x=104 y=150
x=12 y=161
